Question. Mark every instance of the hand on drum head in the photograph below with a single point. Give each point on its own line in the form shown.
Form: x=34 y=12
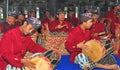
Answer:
x=82 y=45
x=95 y=35
x=95 y=51
x=27 y=63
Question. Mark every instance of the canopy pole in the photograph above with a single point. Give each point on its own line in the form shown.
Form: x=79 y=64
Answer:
x=7 y=8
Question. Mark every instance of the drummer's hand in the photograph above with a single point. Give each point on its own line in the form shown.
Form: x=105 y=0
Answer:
x=95 y=35
x=85 y=47
x=82 y=45
x=26 y=62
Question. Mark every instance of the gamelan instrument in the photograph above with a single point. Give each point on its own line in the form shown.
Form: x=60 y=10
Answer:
x=97 y=50
x=44 y=61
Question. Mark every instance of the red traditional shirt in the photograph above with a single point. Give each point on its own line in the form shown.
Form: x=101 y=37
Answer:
x=4 y=26
x=73 y=21
x=54 y=24
x=45 y=20
x=76 y=36
x=110 y=14
x=97 y=28
x=13 y=47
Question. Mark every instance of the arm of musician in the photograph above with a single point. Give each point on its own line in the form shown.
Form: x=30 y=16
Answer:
x=26 y=62
x=71 y=43
x=67 y=25
x=13 y=59
x=8 y=54
x=59 y=26
x=52 y=26
x=82 y=45
x=34 y=47
x=94 y=35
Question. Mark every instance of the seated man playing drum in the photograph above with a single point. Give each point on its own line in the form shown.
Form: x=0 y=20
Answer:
x=17 y=41
x=76 y=44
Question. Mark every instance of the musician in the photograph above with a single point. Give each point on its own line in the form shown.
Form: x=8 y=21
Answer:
x=102 y=20
x=112 y=16
x=15 y=43
x=20 y=18
x=117 y=33
x=107 y=23
x=32 y=13
x=97 y=29
x=71 y=18
x=112 y=13
x=9 y=24
x=117 y=22
x=76 y=39
x=46 y=18
x=60 y=25
x=46 y=21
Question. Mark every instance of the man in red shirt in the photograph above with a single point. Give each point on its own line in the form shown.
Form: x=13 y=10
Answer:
x=9 y=24
x=32 y=13
x=97 y=29
x=75 y=43
x=46 y=18
x=112 y=16
x=46 y=21
x=15 y=43
x=117 y=34
x=60 y=25
x=20 y=18
x=77 y=35
x=117 y=22
x=112 y=13
x=71 y=18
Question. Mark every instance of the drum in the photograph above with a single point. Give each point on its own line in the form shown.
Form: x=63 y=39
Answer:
x=45 y=61
x=42 y=63
x=96 y=50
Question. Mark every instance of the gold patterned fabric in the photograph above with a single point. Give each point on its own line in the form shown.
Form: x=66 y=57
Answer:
x=55 y=41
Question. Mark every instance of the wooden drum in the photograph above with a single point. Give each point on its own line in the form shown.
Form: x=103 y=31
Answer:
x=96 y=50
x=42 y=63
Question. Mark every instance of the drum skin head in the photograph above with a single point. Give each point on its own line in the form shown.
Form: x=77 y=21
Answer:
x=42 y=63
x=95 y=51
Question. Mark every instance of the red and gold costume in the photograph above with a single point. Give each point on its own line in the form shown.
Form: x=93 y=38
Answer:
x=76 y=36
x=54 y=24
x=17 y=44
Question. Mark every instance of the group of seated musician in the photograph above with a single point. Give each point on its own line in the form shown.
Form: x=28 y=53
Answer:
x=88 y=41
x=77 y=45
x=80 y=45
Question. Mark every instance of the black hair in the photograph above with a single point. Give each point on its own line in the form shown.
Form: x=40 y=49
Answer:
x=84 y=19
x=20 y=14
x=15 y=16
x=24 y=21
